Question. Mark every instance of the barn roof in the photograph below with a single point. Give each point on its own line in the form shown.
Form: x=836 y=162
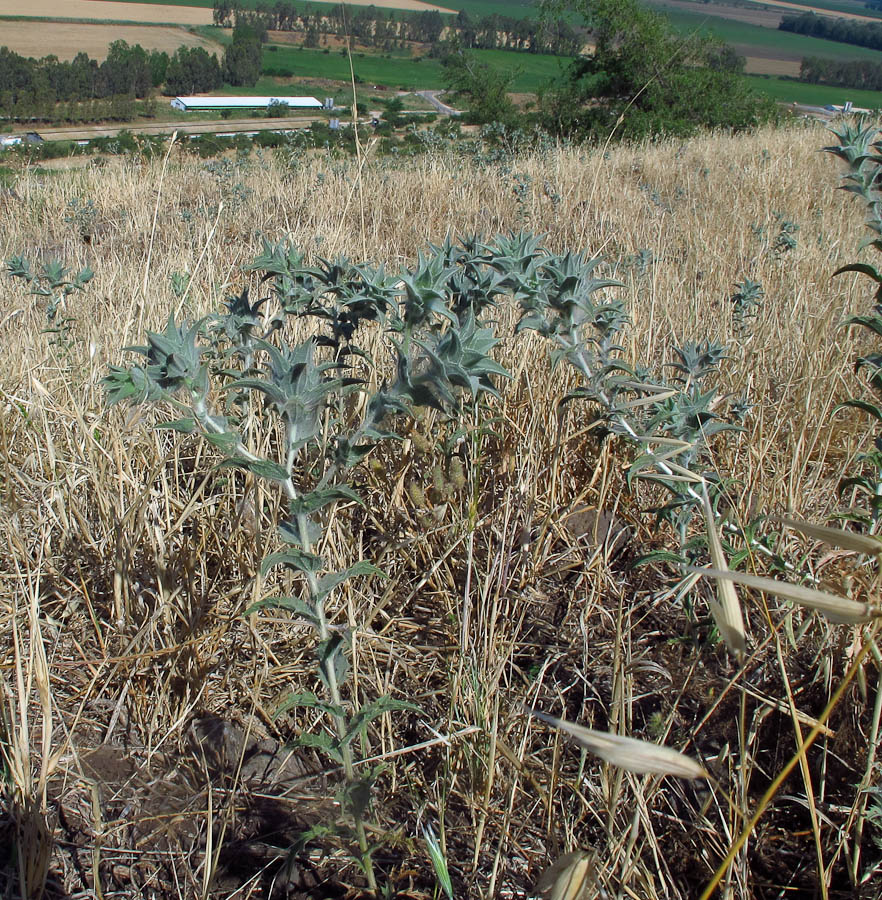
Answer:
x=244 y=102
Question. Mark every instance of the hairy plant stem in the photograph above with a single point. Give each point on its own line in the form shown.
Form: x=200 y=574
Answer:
x=318 y=604
x=339 y=719
x=211 y=425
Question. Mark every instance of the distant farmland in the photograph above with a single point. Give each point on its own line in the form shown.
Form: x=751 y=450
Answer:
x=101 y=10
x=531 y=71
x=65 y=40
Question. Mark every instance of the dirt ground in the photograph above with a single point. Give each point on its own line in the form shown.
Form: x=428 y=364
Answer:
x=65 y=40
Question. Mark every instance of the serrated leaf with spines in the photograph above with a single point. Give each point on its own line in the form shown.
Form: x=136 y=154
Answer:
x=300 y=607
x=370 y=711
x=306 y=700
x=321 y=741
x=298 y=560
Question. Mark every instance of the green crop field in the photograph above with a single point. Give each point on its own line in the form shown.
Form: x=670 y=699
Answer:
x=532 y=71
x=395 y=72
x=745 y=36
x=785 y=90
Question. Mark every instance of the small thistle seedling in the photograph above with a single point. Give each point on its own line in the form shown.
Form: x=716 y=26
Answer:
x=54 y=282
x=785 y=239
x=233 y=379
x=746 y=303
x=82 y=215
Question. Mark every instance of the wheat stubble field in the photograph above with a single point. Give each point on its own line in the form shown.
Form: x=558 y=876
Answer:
x=104 y=10
x=142 y=754
x=68 y=39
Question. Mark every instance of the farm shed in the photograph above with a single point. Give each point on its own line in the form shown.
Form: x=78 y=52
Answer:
x=187 y=104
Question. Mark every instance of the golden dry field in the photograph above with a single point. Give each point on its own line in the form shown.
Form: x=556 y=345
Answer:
x=151 y=13
x=762 y=65
x=143 y=753
x=68 y=39
x=800 y=8
x=108 y=10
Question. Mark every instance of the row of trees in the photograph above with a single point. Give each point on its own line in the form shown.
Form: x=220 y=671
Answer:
x=33 y=89
x=385 y=28
x=856 y=73
x=845 y=31
x=127 y=70
x=121 y=108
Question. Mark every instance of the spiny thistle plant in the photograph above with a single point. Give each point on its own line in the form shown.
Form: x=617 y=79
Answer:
x=785 y=240
x=859 y=147
x=235 y=380
x=746 y=303
x=669 y=421
x=55 y=282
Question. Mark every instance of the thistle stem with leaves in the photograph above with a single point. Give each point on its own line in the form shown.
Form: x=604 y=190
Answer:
x=442 y=355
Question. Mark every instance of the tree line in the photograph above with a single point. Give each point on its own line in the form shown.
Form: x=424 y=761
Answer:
x=856 y=73
x=33 y=89
x=845 y=31
x=390 y=29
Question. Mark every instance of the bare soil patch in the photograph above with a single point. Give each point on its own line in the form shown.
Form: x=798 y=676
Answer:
x=65 y=40
x=99 y=9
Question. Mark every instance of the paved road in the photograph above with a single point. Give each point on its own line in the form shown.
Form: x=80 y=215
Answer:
x=432 y=97
x=218 y=126
x=215 y=126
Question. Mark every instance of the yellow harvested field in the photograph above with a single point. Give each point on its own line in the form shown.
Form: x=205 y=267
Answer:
x=153 y=13
x=65 y=40
x=99 y=9
x=798 y=7
x=395 y=4
x=759 y=65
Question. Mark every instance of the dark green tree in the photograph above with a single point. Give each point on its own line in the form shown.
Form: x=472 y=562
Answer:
x=644 y=79
x=242 y=58
x=192 y=71
x=159 y=61
x=483 y=88
x=126 y=70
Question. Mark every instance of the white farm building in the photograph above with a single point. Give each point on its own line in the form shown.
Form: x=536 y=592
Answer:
x=188 y=104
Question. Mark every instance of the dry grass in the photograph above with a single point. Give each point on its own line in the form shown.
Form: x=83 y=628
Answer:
x=138 y=703
x=66 y=40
